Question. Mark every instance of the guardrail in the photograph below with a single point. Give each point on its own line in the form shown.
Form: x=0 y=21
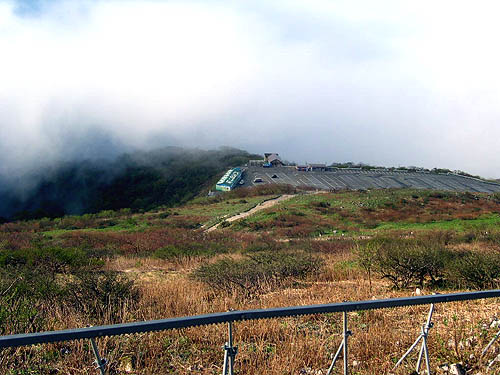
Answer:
x=230 y=317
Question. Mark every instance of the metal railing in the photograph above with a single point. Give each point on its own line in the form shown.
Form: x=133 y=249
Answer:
x=230 y=317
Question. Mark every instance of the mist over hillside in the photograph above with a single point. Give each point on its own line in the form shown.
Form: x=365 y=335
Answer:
x=137 y=180
x=357 y=81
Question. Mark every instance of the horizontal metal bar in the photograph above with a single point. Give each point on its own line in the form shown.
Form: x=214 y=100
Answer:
x=232 y=316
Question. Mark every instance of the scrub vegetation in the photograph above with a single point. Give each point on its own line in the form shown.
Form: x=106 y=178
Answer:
x=121 y=265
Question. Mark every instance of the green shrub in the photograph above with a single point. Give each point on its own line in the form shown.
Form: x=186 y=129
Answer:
x=414 y=262
x=366 y=254
x=322 y=204
x=475 y=270
x=260 y=246
x=469 y=237
x=46 y=261
x=105 y=214
x=101 y=295
x=19 y=309
x=492 y=237
x=130 y=222
x=188 y=250
x=18 y=314
x=168 y=252
x=107 y=223
x=257 y=272
x=225 y=224
x=164 y=215
x=407 y=263
x=496 y=197
x=34 y=279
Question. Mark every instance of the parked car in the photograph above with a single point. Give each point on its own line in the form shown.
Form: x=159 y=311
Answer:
x=274 y=176
x=257 y=179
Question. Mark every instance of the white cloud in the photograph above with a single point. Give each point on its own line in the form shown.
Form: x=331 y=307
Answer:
x=389 y=82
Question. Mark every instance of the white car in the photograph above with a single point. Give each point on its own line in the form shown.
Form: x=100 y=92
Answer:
x=257 y=179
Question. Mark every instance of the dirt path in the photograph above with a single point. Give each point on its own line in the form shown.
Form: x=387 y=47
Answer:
x=259 y=207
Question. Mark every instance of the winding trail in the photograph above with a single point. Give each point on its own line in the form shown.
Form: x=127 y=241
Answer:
x=259 y=207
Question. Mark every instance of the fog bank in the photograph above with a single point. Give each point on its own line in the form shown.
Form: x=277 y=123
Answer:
x=388 y=83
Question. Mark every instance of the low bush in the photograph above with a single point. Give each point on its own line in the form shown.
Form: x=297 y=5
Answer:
x=20 y=311
x=225 y=224
x=407 y=266
x=415 y=262
x=492 y=237
x=34 y=280
x=366 y=256
x=475 y=270
x=258 y=272
x=101 y=296
x=47 y=261
x=405 y=262
x=262 y=245
x=164 y=215
x=189 y=250
x=495 y=197
x=437 y=237
x=322 y=206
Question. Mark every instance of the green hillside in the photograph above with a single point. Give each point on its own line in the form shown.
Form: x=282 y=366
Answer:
x=139 y=181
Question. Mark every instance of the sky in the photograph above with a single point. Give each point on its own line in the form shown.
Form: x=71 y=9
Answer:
x=393 y=83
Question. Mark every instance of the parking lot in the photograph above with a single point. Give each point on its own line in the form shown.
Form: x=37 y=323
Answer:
x=360 y=179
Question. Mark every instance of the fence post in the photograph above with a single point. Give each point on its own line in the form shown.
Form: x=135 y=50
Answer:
x=491 y=343
x=495 y=338
x=343 y=345
x=423 y=349
x=230 y=352
x=101 y=363
x=346 y=338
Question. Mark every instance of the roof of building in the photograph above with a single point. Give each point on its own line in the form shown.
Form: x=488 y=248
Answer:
x=269 y=156
x=230 y=177
x=273 y=157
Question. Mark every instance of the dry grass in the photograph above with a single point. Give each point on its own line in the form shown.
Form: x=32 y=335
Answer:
x=300 y=345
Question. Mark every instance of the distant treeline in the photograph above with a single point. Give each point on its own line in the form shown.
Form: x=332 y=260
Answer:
x=408 y=169
x=140 y=181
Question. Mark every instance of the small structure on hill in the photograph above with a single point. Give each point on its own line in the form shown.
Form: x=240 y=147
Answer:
x=272 y=159
x=256 y=163
x=302 y=167
x=230 y=180
x=311 y=167
x=317 y=167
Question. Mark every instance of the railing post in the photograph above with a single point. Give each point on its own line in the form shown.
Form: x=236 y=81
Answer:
x=490 y=343
x=495 y=338
x=346 y=338
x=230 y=352
x=424 y=350
x=342 y=346
x=101 y=363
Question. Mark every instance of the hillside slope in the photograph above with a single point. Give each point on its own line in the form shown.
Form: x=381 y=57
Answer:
x=140 y=181
x=119 y=266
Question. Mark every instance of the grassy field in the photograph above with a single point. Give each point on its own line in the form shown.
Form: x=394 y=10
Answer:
x=313 y=248
x=376 y=211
